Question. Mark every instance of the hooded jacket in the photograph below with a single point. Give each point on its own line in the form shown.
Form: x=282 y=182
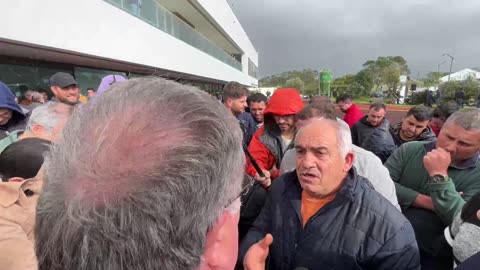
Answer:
x=266 y=145
x=18 y=120
x=375 y=139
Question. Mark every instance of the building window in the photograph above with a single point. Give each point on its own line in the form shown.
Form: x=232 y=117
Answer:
x=252 y=69
x=91 y=78
x=26 y=76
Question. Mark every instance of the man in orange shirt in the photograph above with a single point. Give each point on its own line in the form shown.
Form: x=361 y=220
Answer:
x=325 y=216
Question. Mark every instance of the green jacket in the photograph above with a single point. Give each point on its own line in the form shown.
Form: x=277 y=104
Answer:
x=410 y=177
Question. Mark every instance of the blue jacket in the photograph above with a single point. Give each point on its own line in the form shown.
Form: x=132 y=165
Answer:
x=359 y=229
x=248 y=126
x=18 y=120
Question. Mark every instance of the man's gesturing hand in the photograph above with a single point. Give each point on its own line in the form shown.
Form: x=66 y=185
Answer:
x=257 y=254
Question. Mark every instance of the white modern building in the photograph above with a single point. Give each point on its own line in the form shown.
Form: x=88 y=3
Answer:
x=199 y=42
x=462 y=75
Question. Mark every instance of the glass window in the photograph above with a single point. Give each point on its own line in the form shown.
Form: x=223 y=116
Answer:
x=91 y=78
x=21 y=77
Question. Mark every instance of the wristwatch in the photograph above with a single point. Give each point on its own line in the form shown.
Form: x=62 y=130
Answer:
x=438 y=178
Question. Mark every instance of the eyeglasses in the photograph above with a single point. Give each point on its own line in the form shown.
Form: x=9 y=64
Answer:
x=247 y=184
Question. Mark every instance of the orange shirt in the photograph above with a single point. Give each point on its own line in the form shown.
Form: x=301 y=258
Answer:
x=311 y=205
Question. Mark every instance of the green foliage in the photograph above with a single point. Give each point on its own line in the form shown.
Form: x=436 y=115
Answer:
x=386 y=71
x=417 y=98
x=307 y=76
x=433 y=79
x=471 y=87
x=296 y=83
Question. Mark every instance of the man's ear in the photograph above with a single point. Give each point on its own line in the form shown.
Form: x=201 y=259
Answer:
x=37 y=129
x=16 y=179
x=348 y=161
x=229 y=102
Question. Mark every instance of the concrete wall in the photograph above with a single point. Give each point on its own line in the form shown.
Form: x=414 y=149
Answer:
x=97 y=28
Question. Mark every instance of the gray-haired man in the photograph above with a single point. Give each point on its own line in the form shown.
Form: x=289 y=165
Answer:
x=146 y=177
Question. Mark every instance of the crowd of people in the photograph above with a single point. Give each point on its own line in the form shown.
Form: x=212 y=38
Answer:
x=148 y=173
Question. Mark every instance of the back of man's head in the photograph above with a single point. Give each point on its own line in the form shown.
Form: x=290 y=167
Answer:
x=234 y=90
x=319 y=109
x=138 y=178
x=23 y=158
x=444 y=110
x=421 y=113
x=48 y=120
x=344 y=98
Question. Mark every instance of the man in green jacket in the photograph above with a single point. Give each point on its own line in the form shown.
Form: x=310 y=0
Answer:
x=434 y=179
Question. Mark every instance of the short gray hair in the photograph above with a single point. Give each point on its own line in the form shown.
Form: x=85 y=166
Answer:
x=344 y=136
x=468 y=118
x=48 y=116
x=138 y=178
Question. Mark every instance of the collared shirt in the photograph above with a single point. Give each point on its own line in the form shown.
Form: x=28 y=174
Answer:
x=17 y=219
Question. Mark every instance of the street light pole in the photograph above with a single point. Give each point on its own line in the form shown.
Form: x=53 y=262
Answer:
x=438 y=69
x=451 y=63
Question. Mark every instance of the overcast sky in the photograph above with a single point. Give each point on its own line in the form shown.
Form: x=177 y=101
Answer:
x=341 y=35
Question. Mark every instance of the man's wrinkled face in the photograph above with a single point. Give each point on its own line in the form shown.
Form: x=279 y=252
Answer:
x=256 y=110
x=343 y=106
x=460 y=143
x=286 y=123
x=375 y=117
x=68 y=95
x=5 y=116
x=320 y=166
x=412 y=128
x=238 y=105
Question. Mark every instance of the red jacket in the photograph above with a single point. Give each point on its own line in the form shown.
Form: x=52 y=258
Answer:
x=353 y=115
x=264 y=146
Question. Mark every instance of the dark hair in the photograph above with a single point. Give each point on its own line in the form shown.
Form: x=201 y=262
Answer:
x=324 y=109
x=23 y=158
x=343 y=98
x=421 y=113
x=234 y=90
x=90 y=88
x=377 y=106
x=444 y=110
x=257 y=97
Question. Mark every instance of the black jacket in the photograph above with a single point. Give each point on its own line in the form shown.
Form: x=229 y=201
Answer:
x=359 y=229
x=377 y=140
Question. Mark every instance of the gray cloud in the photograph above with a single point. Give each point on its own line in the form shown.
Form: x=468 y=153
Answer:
x=343 y=34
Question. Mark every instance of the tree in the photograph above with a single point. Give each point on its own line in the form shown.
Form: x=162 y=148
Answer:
x=471 y=87
x=296 y=83
x=433 y=79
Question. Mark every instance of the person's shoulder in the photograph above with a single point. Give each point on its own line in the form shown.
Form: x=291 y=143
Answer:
x=377 y=207
x=365 y=156
x=282 y=183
